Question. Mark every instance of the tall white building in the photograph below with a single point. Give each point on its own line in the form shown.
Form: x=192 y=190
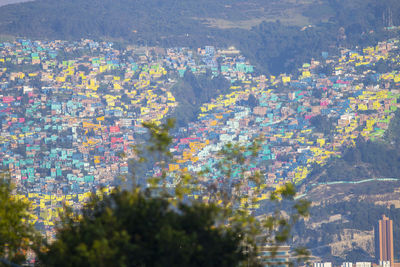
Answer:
x=347 y=264
x=363 y=264
x=384 y=263
x=322 y=264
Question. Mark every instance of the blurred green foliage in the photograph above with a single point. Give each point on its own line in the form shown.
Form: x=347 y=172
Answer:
x=17 y=233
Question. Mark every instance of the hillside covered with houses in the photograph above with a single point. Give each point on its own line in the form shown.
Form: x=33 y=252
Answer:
x=69 y=110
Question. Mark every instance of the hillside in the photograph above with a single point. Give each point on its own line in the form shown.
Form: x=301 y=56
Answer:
x=340 y=229
x=367 y=159
x=364 y=178
x=270 y=33
x=274 y=36
x=152 y=21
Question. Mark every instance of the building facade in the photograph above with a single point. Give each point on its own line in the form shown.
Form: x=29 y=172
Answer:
x=384 y=246
x=275 y=256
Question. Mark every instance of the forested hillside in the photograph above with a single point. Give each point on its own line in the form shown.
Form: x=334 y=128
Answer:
x=277 y=36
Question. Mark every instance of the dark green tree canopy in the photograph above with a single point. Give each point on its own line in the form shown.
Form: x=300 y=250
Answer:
x=129 y=229
x=17 y=235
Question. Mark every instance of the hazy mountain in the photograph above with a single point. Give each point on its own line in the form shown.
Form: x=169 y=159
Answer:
x=8 y=2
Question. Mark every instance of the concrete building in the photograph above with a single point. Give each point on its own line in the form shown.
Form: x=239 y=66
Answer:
x=276 y=256
x=363 y=264
x=384 y=242
x=347 y=264
x=322 y=264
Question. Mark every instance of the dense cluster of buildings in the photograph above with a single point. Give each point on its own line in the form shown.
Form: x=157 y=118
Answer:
x=357 y=100
x=68 y=110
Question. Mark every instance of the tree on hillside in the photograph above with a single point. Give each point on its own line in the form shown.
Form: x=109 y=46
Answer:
x=130 y=229
x=392 y=134
x=160 y=225
x=193 y=90
x=17 y=234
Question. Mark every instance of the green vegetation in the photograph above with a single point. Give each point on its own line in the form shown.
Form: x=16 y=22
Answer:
x=193 y=91
x=323 y=124
x=279 y=48
x=275 y=45
x=392 y=134
x=17 y=235
x=130 y=229
x=367 y=159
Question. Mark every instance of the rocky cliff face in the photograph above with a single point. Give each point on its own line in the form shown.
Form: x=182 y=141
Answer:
x=348 y=239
